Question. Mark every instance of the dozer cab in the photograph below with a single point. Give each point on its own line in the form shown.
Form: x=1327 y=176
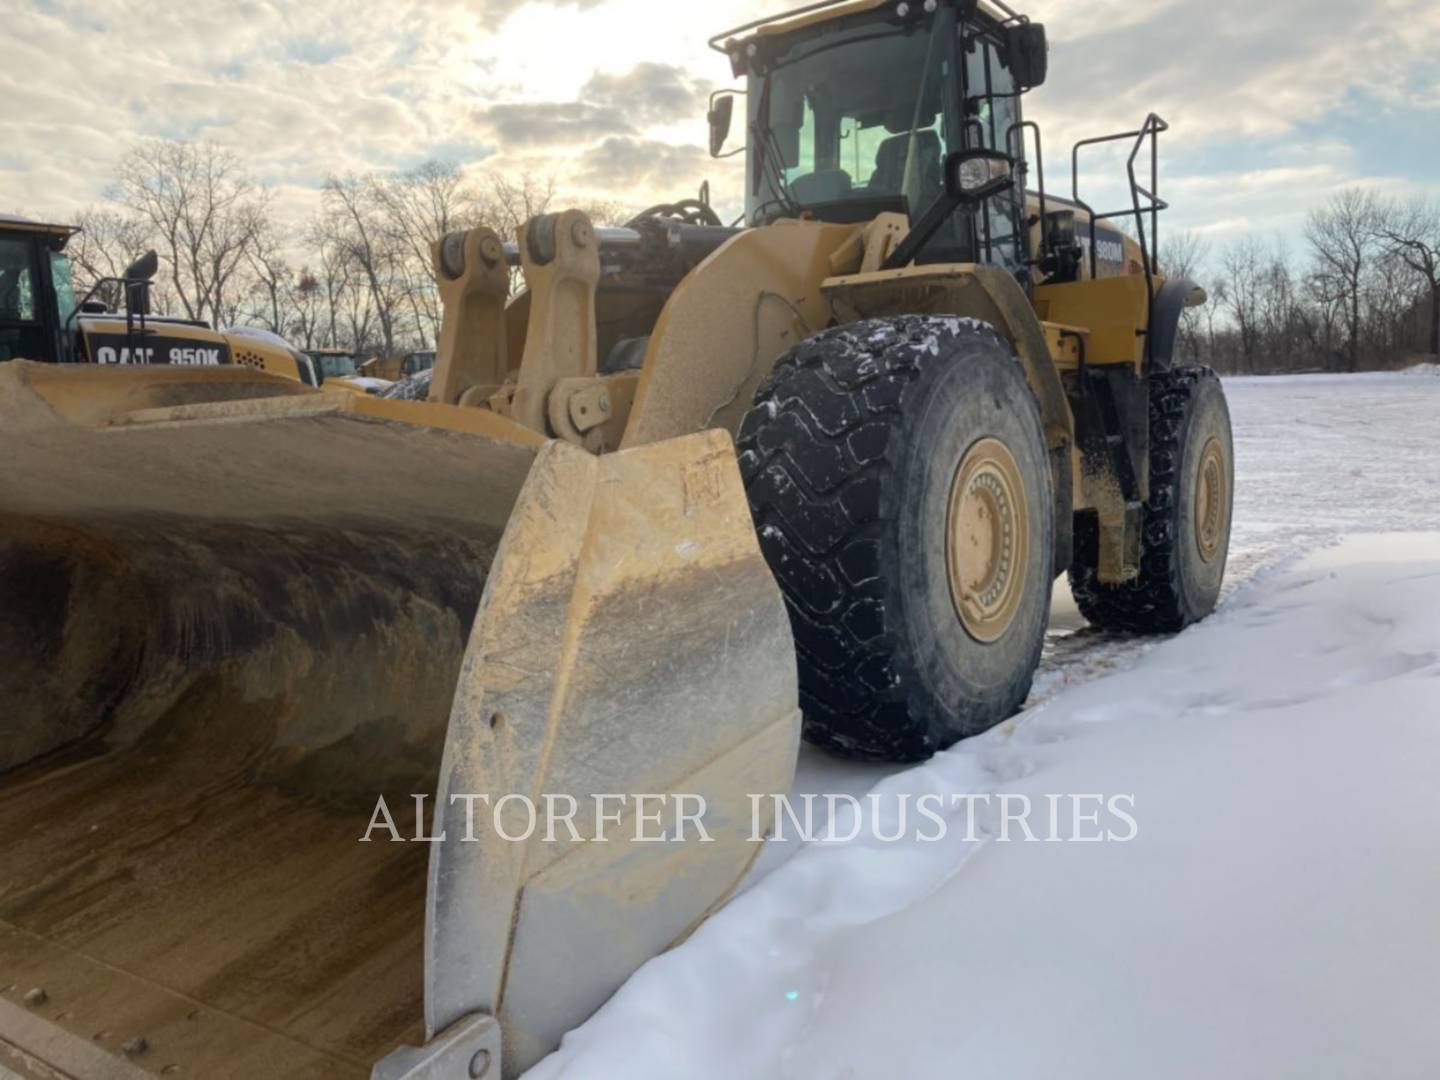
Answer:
x=945 y=391
x=42 y=319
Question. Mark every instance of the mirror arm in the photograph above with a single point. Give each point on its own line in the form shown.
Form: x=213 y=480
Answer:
x=921 y=232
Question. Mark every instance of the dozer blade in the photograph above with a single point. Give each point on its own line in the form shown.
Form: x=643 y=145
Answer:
x=234 y=616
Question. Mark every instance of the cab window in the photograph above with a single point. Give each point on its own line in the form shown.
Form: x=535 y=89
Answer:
x=17 y=282
x=60 y=275
x=994 y=113
x=844 y=142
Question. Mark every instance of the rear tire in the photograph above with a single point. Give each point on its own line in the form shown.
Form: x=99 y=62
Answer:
x=1186 y=541
x=899 y=479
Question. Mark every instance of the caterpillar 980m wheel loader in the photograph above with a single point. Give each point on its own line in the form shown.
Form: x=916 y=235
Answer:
x=945 y=392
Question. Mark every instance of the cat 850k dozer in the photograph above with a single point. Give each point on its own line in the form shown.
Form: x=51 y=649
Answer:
x=944 y=391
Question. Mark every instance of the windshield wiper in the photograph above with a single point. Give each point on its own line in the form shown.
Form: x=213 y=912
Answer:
x=770 y=155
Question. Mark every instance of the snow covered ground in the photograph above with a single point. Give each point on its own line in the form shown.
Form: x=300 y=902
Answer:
x=1265 y=904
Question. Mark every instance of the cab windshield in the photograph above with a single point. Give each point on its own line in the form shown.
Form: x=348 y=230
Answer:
x=336 y=367
x=61 y=277
x=858 y=121
x=863 y=116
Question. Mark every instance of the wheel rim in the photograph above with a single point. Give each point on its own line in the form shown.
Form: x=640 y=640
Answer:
x=1211 y=501
x=988 y=538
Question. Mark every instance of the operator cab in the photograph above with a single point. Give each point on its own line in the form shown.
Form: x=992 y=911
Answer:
x=36 y=294
x=334 y=364
x=857 y=113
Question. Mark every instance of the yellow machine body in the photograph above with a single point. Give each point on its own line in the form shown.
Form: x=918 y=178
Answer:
x=225 y=635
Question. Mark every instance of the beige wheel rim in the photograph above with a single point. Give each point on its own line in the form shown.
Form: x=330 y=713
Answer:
x=1212 y=501
x=989 y=536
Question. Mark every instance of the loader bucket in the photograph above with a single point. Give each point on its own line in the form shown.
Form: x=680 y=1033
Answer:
x=236 y=614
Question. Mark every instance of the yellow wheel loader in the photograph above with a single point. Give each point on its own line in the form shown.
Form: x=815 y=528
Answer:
x=233 y=689
x=41 y=319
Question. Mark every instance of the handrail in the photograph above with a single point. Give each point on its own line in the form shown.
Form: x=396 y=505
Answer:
x=1151 y=129
x=716 y=42
x=1018 y=153
x=131 y=289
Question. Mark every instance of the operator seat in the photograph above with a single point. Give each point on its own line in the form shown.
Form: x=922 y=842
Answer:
x=928 y=179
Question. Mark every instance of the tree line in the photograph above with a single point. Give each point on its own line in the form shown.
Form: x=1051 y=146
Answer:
x=1364 y=294
x=357 y=275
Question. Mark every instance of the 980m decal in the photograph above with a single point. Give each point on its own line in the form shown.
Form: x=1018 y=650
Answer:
x=118 y=349
x=1109 y=246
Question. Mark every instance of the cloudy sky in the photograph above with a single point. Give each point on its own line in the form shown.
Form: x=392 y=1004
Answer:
x=1273 y=104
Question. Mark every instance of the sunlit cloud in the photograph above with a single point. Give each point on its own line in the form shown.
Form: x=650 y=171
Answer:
x=1269 y=104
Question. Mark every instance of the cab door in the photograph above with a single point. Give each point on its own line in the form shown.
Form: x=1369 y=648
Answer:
x=992 y=107
x=26 y=330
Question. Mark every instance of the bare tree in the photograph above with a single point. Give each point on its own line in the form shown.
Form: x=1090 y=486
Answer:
x=1182 y=256
x=1325 y=302
x=272 y=278
x=331 y=273
x=1343 y=239
x=506 y=203
x=356 y=225
x=307 y=302
x=1410 y=234
x=1243 y=267
x=1219 y=301
x=420 y=207
x=203 y=211
x=1277 y=310
x=107 y=243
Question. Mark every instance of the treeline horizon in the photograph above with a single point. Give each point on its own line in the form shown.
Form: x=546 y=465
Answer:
x=1362 y=294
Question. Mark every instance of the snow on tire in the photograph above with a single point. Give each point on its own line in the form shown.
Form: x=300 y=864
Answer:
x=1186 y=540
x=898 y=476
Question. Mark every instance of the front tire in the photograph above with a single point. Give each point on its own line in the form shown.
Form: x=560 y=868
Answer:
x=1186 y=542
x=899 y=479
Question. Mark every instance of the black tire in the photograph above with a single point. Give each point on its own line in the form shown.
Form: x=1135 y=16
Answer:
x=849 y=457
x=1179 y=584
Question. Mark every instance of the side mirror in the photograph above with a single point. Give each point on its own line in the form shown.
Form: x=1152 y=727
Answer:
x=1027 y=54
x=722 y=114
x=144 y=268
x=972 y=176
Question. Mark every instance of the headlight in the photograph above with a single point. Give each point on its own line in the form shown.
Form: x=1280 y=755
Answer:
x=977 y=174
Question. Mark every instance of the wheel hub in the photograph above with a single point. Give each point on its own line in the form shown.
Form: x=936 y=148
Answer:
x=1211 y=501
x=988 y=538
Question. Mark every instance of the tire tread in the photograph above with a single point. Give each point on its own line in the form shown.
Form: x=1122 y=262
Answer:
x=1154 y=602
x=817 y=453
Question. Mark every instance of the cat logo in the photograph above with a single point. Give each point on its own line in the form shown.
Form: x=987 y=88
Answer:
x=185 y=354
x=108 y=355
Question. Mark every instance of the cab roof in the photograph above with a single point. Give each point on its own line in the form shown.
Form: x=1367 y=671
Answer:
x=827 y=10
x=15 y=223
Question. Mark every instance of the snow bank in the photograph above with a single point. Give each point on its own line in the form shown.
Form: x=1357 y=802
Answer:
x=1274 y=916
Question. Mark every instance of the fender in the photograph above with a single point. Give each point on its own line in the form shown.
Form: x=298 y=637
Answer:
x=1170 y=303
